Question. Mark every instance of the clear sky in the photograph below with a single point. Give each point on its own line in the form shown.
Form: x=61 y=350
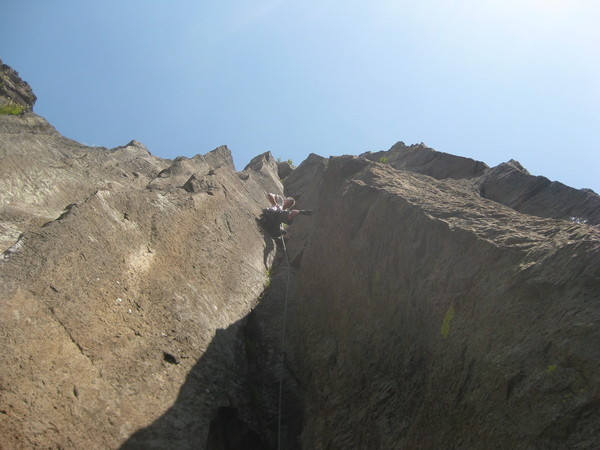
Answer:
x=487 y=79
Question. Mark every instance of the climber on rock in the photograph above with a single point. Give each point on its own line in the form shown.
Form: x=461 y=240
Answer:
x=279 y=213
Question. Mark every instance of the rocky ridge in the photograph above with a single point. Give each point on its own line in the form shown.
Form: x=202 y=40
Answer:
x=431 y=301
x=119 y=271
x=508 y=183
x=427 y=316
x=15 y=91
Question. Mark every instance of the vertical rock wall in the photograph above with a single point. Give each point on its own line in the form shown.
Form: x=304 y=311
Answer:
x=431 y=302
x=428 y=317
x=123 y=313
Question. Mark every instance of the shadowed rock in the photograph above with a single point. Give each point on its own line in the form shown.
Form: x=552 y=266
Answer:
x=284 y=168
x=428 y=317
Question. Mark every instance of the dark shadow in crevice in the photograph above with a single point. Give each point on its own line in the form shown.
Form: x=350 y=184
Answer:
x=229 y=399
x=228 y=432
x=269 y=247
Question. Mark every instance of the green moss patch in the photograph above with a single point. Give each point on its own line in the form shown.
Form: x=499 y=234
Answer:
x=446 y=322
x=11 y=109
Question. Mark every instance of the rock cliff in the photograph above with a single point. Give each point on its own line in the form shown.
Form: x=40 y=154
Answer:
x=508 y=183
x=120 y=271
x=427 y=316
x=429 y=302
x=16 y=95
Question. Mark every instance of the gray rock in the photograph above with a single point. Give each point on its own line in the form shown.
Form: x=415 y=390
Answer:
x=284 y=168
x=510 y=184
x=422 y=159
x=428 y=302
x=112 y=295
x=14 y=90
x=428 y=317
x=201 y=184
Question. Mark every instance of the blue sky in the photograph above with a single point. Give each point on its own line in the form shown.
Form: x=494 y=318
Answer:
x=491 y=80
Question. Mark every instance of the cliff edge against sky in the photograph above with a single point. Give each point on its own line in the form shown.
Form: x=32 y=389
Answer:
x=431 y=301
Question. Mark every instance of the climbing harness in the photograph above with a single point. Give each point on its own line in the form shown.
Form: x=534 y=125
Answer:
x=287 y=286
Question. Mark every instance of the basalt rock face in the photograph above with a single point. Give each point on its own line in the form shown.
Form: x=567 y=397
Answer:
x=284 y=168
x=14 y=90
x=123 y=286
x=429 y=301
x=426 y=316
x=107 y=310
x=508 y=183
x=42 y=172
x=422 y=159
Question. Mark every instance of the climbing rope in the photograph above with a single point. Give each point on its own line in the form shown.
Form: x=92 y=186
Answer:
x=287 y=286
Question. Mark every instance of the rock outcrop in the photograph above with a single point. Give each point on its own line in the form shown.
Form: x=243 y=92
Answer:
x=428 y=317
x=422 y=159
x=107 y=309
x=121 y=271
x=14 y=91
x=284 y=168
x=429 y=302
x=42 y=172
x=508 y=183
x=512 y=185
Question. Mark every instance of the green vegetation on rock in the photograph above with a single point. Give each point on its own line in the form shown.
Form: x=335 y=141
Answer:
x=11 y=109
x=446 y=322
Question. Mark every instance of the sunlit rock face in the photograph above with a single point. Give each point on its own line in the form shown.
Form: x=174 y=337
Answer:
x=508 y=183
x=115 y=281
x=429 y=301
x=422 y=159
x=512 y=185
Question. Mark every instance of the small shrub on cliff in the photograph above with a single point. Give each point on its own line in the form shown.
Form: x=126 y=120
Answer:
x=383 y=160
x=289 y=161
x=11 y=109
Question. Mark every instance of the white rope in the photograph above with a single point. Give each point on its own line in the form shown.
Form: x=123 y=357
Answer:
x=287 y=285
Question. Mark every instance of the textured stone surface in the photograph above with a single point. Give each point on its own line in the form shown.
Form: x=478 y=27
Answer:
x=431 y=302
x=92 y=301
x=422 y=159
x=13 y=89
x=510 y=184
x=428 y=317
x=123 y=295
x=284 y=168
x=42 y=172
